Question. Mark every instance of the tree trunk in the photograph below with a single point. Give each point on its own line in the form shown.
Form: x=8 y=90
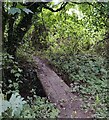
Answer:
x=16 y=34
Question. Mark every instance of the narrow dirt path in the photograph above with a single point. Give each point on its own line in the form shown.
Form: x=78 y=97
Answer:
x=59 y=93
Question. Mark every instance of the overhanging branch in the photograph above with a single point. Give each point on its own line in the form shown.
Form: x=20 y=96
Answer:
x=52 y=10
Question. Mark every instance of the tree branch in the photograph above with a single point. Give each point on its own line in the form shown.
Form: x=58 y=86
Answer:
x=52 y=10
x=89 y=3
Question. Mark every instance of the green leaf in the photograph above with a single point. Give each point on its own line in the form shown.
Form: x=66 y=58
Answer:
x=17 y=75
x=14 y=10
x=5 y=105
x=13 y=71
x=20 y=6
x=27 y=10
x=19 y=70
x=103 y=70
x=17 y=103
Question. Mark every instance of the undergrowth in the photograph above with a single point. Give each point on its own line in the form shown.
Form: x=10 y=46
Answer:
x=88 y=78
x=22 y=95
x=17 y=107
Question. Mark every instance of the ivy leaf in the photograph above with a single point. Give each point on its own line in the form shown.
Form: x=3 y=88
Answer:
x=14 y=10
x=13 y=71
x=19 y=70
x=27 y=10
x=17 y=75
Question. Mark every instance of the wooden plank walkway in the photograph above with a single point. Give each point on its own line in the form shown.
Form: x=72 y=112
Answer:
x=59 y=93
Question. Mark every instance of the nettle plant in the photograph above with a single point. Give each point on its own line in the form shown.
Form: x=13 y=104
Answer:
x=13 y=107
x=17 y=107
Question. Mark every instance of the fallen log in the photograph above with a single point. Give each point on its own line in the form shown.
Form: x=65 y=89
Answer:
x=59 y=93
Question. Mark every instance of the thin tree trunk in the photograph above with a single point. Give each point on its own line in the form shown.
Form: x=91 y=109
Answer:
x=16 y=34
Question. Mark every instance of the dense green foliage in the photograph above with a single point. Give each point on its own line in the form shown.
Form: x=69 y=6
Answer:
x=74 y=36
x=73 y=29
x=88 y=76
x=13 y=105
x=16 y=107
